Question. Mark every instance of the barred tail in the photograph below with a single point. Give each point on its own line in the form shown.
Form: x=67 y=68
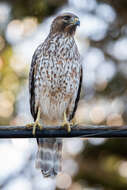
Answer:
x=49 y=156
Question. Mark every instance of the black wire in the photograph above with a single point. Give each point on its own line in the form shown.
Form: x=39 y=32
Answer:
x=89 y=132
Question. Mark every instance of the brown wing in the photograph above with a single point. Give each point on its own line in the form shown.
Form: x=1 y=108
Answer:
x=78 y=96
x=32 y=82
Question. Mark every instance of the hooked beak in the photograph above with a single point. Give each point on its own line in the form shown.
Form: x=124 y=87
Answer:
x=75 y=21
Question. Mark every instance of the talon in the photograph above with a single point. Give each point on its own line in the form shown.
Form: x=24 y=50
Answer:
x=66 y=123
x=30 y=125
x=74 y=122
x=36 y=123
x=68 y=128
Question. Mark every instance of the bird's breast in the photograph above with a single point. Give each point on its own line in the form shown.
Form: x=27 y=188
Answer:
x=58 y=75
x=62 y=75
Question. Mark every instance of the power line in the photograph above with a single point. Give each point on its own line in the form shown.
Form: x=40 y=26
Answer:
x=77 y=131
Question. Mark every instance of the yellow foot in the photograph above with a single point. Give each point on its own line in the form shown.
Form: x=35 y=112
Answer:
x=66 y=123
x=34 y=125
x=29 y=125
x=74 y=122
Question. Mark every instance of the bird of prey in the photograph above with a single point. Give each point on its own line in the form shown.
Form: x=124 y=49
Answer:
x=54 y=85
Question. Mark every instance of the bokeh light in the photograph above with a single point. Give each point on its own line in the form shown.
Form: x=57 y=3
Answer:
x=123 y=168
x=102 y=42
x=63 y=181
x=18 y=29
x=4 y=12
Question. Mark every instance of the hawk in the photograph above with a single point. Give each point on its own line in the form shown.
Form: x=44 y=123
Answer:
x=54 y=85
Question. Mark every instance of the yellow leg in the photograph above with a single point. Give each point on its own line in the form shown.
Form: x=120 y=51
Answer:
x=36 y=123
x=66 y=123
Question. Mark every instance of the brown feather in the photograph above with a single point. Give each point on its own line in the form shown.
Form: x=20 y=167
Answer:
x=77 y=98
x=49 y=156
x=54 y=84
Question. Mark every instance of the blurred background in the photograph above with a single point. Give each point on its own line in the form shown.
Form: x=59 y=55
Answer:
x=88 y=164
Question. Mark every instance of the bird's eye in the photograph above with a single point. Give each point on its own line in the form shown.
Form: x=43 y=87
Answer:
x=66 y=17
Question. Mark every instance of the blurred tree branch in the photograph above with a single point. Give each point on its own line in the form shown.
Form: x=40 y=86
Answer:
x=38 y=8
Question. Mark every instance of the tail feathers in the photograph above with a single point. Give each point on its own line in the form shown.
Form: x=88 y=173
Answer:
x=49 y=156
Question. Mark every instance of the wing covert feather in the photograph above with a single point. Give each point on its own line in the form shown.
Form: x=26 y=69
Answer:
x=78 y=96
x=32 y=81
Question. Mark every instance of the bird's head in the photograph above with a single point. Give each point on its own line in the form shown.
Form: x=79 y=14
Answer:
x=66 y=23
